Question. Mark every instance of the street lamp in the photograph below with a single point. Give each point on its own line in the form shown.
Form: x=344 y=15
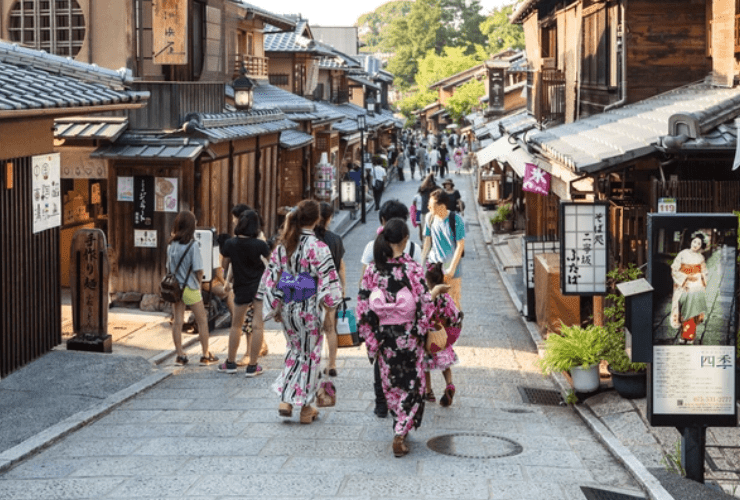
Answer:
x=243 y=92
x=362 y=126
x=370 y=103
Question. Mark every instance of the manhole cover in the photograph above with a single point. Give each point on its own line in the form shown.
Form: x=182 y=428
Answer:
x=531 y=395
x=603 y=494
x=474 y=445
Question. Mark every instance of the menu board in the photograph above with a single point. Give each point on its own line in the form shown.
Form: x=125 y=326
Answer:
x=46 y=192
x=584 y=248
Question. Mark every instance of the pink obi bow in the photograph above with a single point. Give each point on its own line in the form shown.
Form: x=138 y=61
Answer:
x=399 y=312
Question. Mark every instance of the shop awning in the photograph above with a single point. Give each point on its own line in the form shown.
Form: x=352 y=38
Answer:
x=133 y=148
x=498 y=150
x=107 y=128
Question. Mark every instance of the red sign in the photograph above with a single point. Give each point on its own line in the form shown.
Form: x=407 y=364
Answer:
x=536 y=180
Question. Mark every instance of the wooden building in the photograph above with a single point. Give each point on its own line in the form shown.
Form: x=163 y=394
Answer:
x=31 y=194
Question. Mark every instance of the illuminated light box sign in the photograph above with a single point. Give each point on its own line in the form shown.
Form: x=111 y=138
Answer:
x=583 y=248
x=692 y=266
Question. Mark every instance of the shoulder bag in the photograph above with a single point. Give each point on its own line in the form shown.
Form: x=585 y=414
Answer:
x=169 y=288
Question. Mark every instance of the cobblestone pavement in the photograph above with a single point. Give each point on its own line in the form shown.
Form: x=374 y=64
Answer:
x=204 y=435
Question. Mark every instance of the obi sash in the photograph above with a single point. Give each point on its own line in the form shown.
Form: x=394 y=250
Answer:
x=691 y=268
x=400 y=312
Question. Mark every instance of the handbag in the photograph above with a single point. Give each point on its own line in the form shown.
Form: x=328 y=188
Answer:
x=347 y=334
x=436 y=339
x=169 y=288
x=326 y=395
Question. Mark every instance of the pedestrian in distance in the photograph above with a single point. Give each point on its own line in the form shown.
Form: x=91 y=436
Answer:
x=300 y=257
x=444 y=241
x=447 y=315
x=378 y=176
x=244 y=253
x=426 y=188
x=444 y=157
x=336 y=247
x=183 y=249
x=394 y=309
x=411 y=155
x=454 y=203
x=391 y=209
x=434 y=160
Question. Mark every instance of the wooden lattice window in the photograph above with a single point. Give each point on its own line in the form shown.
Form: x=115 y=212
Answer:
x=56 y=26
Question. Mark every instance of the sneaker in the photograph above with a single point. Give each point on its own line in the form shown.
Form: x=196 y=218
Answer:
x=227 y=367
x=253 y=371
x=181 y=360
x=208 y=360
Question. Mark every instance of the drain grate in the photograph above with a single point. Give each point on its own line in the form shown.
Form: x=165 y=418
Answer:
x=602 y=494
x=533 y=396
x=518 y=410
x=474 y=445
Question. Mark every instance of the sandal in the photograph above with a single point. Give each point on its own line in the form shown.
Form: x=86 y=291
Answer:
x=429 y=396
x=285 y=410
x=446 y=400
x=308 y=414
x=400 y=448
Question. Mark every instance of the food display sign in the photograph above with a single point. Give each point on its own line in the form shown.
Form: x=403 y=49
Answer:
x=693 y=269
x=165 y=194
x=583 y=248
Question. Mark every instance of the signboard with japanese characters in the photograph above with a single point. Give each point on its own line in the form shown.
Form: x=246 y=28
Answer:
x=583 y=248
x=536 y=180
x=692 y=266
x=496 y=82
x=143 y=202
x=46 y=192
x=170 y=31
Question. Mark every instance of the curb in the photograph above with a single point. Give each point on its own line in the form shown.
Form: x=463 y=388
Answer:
x=56 y=432
x=636 y=469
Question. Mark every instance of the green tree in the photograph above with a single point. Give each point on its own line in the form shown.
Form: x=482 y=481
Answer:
x=461 y=21
x=412 y=37
x=500 y=32
x=374 y=26
x=464 y=99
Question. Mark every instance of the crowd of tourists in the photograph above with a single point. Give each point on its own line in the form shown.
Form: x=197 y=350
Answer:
x=408 y=295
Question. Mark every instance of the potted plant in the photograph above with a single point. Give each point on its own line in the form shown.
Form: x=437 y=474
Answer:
x=578 y=350
x=629 y=379
x=503 y=217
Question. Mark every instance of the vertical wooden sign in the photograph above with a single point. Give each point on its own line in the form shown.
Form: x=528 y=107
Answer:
x=723 y=42
x=170 y=31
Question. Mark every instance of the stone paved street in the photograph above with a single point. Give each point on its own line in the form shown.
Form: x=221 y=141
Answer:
x=204 y=435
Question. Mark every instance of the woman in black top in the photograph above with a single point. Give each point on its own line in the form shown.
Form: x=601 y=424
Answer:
x=336 y=247
x=243 y=253
x=427 y=187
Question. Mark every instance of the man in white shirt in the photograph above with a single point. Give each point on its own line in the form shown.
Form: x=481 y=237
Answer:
x=391 y=209
x=434 y=160
x=378 y=183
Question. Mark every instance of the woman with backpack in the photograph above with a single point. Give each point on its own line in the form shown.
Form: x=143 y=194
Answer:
x=300 y=289
x=185 y=261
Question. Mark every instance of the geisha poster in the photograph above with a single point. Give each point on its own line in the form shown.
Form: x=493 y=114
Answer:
x=693 y=268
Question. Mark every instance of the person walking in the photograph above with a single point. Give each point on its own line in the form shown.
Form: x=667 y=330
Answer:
x=244 y=253
x=378 y=176
x=336 y=247
x=444 y=241
x=391 y=209
x=458 y=156
x=299 y=251
x=434 y=159
x=447 y=315
x=444 y=156
x=394 y=309
x=455 y=203
x=425 y=189
x=183 y=249
x=411 y=155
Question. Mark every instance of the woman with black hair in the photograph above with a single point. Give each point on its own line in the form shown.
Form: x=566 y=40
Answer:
x=394 y=309
x=689 y=301
x=243 y=253
x=301 y=289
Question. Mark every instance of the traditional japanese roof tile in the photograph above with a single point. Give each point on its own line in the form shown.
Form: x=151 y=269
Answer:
x=634 y=130
x=294 y=41
x=294 y=107
x=32 y=80
x=275 y=20
x=152 y=147
x=362 y=80
x=293 y=139
x=105 y=128
x=241 y=125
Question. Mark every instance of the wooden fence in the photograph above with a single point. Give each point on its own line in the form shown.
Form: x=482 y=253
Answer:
x=30 y=307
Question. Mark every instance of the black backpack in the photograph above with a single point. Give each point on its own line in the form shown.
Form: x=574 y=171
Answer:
x=453 y=222
x=169 y=288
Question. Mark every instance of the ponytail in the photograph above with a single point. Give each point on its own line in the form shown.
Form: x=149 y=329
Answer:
x=304 y=214
x=394 y=231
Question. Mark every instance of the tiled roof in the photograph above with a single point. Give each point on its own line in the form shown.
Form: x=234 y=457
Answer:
x=294 y=107
x=518 y=123
x=31 y=80
x=294 y=41
x=292 y=139
x=721 y=138
x=362 y=80
x=352 y=111
x=227 y=126
x=634 y=130
x=266 y=16
x=329 y=111
x=135 y=146
x=107 y=128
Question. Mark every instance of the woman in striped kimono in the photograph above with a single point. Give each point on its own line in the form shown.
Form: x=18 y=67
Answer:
x=303 y=316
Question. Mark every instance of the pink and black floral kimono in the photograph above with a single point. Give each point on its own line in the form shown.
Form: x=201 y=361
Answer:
x=394 y=309
x=298 y=382
x=446 y=313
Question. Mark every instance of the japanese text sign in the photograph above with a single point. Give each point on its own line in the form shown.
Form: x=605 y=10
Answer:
x=46 y=192
x=583 y=248
x=170 y=31
x=536 y=180
x=143 y=202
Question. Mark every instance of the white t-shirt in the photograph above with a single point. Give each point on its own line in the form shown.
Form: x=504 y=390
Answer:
x=378 y=173
x=367 y=254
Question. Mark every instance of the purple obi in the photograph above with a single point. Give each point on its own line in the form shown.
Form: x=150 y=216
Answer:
x=400 y=312
x=296 y=288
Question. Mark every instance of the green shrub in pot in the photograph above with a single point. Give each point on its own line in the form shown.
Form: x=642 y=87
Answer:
x=574 y=346
x=615 y=353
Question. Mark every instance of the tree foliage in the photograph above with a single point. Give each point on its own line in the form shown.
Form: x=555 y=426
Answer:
x=373 y=26
x=500 y=32
x=461 y=20
x=464 y=99
x=413 y=36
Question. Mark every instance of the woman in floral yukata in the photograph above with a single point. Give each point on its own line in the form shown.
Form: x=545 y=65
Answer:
x=394 y=309
x=300 y=251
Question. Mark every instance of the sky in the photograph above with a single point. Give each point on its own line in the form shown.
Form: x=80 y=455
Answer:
x=328 y=12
